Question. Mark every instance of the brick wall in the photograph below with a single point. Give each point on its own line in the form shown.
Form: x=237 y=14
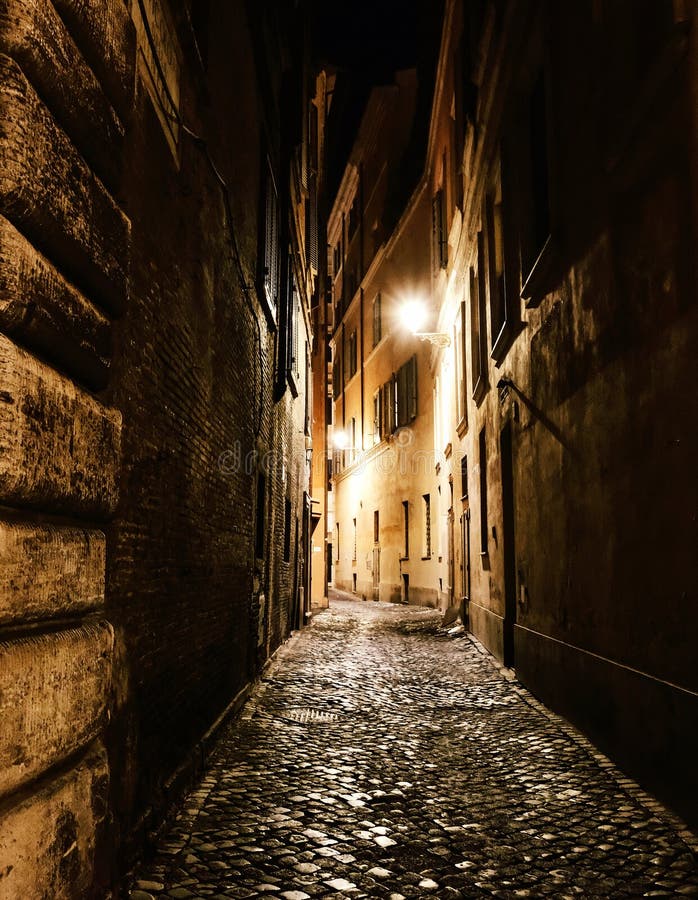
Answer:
x=137 y=372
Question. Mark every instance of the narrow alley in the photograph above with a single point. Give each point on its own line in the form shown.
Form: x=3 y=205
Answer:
x=381 y=757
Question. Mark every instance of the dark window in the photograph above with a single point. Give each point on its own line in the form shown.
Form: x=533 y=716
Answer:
x=464 y=477
x=354 y=550
x=406 y=528
x=438 y=212
x=483 y=491
x=495 y=265
x=477 y=322
x=407 y=392
x=260 y=517
x=376 y=526
x=287 y=530
x=377 y=321
x=388 y=409
x=311 y=229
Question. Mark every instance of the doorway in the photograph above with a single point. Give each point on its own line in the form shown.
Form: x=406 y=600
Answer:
x=508 y=516
x=465 y=563
x=405 y=588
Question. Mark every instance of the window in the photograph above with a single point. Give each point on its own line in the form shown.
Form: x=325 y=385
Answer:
x=388 y=409
x=407 y=392
x=464 y=477
x=406 y=529
x=336 y=377
x=376 y=526
x=459 y=352
x=337 y=258
x=354 y=550
x=260 y=517
x=336 y=559
x=426 y=526
x=295 y=319
x=377 y=323
x=352 y=354
x=352 y=435
x=287 y=530
x=483 y=492
x=495 y=263
x=478 y=321
x=309 y=393
x=270 y=274
x=438 y=213
x=377 y=417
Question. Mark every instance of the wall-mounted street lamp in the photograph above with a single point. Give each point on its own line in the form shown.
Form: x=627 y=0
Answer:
x=413 y=314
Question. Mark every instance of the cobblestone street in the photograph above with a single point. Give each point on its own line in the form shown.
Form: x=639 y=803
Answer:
x=381 y=758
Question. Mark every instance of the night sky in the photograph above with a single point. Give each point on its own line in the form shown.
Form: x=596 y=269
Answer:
x=368 y=41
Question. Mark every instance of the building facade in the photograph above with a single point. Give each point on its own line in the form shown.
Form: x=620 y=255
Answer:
x=562 y=174
x=384 y=526
x=158 y=275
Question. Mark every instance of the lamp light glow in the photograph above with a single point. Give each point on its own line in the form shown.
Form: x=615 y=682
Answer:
x=340 y=440
x=413 y=314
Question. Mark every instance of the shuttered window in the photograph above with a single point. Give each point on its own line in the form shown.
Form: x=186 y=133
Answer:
x=271 y=241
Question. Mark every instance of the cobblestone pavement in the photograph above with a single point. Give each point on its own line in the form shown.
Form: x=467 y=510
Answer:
x=379 y=758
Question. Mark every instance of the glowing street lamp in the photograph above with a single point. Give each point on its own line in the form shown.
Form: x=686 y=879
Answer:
x=414 y=315
x=340 y=440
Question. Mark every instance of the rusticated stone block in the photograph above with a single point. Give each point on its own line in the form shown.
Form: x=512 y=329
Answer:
x=53 y=699
x=34 y=35
x=43 y=311
x=49 y=192
x=48 y=840
x=59 y=447
x=105 y=34
x=48 y=571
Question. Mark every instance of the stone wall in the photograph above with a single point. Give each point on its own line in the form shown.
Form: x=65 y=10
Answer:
x=65 y=252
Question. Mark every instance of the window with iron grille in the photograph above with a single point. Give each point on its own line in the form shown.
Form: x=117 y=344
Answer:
x=354 y=550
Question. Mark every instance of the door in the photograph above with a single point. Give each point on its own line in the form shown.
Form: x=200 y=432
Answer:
x=465 y=561
x=376 y=572
x=508 y=515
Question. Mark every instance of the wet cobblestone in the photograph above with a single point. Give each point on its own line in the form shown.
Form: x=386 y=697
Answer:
x=380 y=758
